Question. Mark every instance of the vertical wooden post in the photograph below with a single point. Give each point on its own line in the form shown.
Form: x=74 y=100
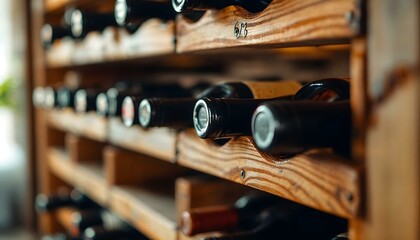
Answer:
x=393 y=134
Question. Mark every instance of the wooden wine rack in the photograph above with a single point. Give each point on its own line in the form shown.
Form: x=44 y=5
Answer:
x=148 y=177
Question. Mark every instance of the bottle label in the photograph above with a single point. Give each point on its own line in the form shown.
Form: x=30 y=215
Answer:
x=273 y=89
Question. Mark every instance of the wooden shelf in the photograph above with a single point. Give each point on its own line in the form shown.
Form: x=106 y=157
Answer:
x=91 y=180
x=151 y=212
x=60 y=164
x=89 y=125
x=158 y=142
x=317 y=179
x=153 y=38
x=281 y=24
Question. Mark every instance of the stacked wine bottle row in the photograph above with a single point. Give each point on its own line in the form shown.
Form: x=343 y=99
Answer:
x=140 y=28
x=252 y=216
x=283 y=117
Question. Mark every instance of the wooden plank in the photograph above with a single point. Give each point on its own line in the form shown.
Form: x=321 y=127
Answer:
x=159 y=142
x=393 y=133
x=89 y=125
x=124 y=167
x=152 y=212
x=59 y=163
x=282 y=23
x=90 y=179
x=202 y=191
x=317 y=179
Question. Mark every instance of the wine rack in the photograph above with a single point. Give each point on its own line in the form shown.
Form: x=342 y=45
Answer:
x=148 y=177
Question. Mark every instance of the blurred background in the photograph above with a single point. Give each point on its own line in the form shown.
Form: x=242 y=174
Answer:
x=14 y=195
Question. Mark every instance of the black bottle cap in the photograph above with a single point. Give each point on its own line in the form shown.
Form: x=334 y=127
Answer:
x=201 y=118
x=145 y=113
x=80 y=101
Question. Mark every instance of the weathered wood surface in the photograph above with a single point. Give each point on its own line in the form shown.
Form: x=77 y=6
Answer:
x=282 y=23
x=317 y=179
x=152 y=212
x=393 y=131
x=159 y=142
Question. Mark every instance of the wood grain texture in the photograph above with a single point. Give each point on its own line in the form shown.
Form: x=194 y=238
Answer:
x=124 y=167
x=152 y=213
x=282 y=23
x=203 y=191
x=159 y=142
x=393 y=133
x=317 y=179
x=88 y=125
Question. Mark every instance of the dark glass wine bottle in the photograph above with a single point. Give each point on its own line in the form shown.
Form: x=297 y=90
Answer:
x=289 y=222
x=224 y=118
x=50 y=33
x=288 y=128
x=176 y=113
x=130 y=109
x=318 y=116
x=85 y=100
x=75 y=198
x=84 y=22
x=109 y=103
x=131 y=104
x=65 y=97
x=217 y=118
x=81 y=220
x=133 y=13
x=253 y=6
x=341 y=236
x=222 y=218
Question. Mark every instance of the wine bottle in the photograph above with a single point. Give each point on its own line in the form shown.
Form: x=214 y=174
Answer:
x=84 y=22
x=65 y=97
x=159 y=112
x=85 y=100
x=131 y=104
x=109 y=102
x=81 y=220
x=50 y=100
x=129 y=111
x=342 y=236
x=289 y=222
x=134 y=12
x=217 y=118
x=288 y=128
x=38 y=97
x=224 y=118
x=50 y=33
x=319 y=108
x=253 y=6
x=124 y=232
x=75 y=198
x=222 y=218
x=61 y=236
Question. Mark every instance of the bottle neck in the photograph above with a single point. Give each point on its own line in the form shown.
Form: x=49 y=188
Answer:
x=131 y=12
x=166 y=112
